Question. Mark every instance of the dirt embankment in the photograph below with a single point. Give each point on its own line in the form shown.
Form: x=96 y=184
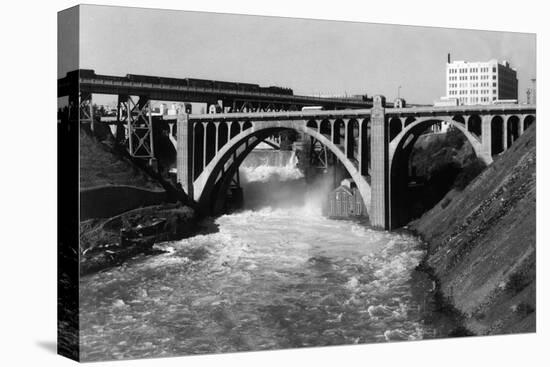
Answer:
x=102 y=165
x=481 y=243
x=124 y=208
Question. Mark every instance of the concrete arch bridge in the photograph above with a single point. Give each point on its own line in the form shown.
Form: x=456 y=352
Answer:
x=373 y=145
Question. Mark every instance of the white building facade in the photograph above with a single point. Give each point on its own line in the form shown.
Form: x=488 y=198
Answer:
x=473 y=83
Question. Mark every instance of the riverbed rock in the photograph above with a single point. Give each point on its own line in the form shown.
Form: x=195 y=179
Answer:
x=110 y=242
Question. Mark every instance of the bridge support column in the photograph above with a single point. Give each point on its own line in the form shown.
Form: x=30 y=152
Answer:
x=85 y=109
x=348 y=139
x=362 y=152
x=217 y=148
x=204 y=142
x=486 y=142
x=520 y=127
x=380 y=200
x=185 y=154
x=140 y=129
x=121 y=123
x=505 y=132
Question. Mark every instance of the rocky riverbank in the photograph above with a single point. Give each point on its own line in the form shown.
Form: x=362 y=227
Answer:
x=119 y=221
x=481 y=245
x=109 y=242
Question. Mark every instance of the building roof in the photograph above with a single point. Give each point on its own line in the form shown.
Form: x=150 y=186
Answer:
x=343 y=188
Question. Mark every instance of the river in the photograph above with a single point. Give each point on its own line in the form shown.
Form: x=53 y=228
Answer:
x=268 y=277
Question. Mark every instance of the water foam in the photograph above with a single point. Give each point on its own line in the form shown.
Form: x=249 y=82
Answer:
x=265 y=166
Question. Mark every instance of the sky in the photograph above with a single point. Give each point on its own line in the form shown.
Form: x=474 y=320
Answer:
x=310 y=56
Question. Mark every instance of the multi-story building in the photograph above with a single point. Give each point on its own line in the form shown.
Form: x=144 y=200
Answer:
x=471 y=83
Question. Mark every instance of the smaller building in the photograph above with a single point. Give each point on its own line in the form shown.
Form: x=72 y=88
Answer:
x=345 y=201
x=446 y=102
x=399 y=103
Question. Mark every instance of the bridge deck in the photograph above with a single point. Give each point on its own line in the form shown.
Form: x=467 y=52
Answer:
x=117 y=85
x=361 y=113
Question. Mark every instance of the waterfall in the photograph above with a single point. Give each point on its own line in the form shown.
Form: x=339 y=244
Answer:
x=269 y=165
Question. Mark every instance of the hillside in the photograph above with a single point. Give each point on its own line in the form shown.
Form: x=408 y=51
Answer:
x=101 y=165
x=481 y=243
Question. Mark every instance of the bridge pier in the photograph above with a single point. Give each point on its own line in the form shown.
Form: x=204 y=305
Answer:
x=504 y=133
x=185 y=154
x=362 y=149
x=380 y=200
x=85 y=109
x=486 y=138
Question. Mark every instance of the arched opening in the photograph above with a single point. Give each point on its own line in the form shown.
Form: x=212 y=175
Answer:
x=222 y=135
x=513 y=130
x=247 y=125
x=353 y=137
x=474 y=125
x=409 y=120
x=459 y=119
x=198 y=148
x=210 y=148
x=528 y=121
x=312 y=124
x=325 y=128
x=174 y=130
x=497 y=135
x=338 y=131
x=235 y=129
x=425 y=167
x=365 y=147
x=395 y=127
x=216 y=182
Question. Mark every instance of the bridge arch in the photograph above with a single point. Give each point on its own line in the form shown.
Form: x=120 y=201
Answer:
x=400 y=150
x=528 y=121
x=232 y=153
x=421 y=124
x=409 y=120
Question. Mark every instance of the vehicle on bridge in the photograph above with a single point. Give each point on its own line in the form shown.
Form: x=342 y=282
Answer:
x=191 y=82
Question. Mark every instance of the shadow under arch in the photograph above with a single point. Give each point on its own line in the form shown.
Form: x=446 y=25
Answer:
x=400 y=150
x=237 y=148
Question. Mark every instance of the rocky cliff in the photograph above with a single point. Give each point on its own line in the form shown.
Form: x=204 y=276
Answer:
x=481 y=243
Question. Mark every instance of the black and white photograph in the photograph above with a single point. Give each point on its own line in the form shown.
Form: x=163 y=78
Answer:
x=253 y=183
x=290 y=183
